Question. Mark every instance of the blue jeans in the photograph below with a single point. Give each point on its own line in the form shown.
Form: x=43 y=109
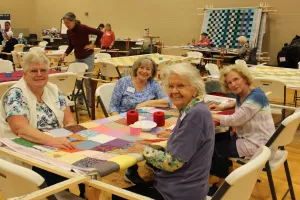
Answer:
x=90 y=62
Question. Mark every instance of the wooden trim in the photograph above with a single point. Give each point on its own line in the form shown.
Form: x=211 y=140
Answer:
x=117 y=191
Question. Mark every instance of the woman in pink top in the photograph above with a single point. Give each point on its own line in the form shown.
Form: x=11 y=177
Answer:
x=108 y=38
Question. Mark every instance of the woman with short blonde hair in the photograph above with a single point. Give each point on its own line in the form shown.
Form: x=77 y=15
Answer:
x=252 y=119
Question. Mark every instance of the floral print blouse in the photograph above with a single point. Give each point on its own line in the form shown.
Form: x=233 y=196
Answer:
x=15 y=103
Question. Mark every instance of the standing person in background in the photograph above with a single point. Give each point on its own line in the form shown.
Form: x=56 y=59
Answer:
x=78 y=36
x=7 y=28
x=101 y=27
x=108 y=38
x=10 y=44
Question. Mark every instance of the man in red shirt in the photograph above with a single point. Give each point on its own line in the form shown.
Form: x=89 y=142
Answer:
x=78 y=36
x=204 y=42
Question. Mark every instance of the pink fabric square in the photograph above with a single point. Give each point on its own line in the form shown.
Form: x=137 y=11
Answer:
x=102 y=129
x=116 y=133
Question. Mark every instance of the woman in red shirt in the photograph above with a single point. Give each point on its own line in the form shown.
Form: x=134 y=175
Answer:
x=108 y=38
x=204 y=42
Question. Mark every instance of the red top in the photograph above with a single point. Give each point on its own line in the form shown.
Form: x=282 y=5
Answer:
x=107 y=38
x=204 y=42
x=79 y=37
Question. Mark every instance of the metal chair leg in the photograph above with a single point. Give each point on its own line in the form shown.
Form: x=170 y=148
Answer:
x=76 y=111
x=271 y=182
x=289 y=179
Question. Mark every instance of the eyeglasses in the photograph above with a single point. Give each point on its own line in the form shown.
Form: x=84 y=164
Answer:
x=35 y=72
x=234 y=80
x=178 y=87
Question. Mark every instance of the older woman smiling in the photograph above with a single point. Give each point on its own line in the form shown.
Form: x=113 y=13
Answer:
x=183 y=169
x=33 y=105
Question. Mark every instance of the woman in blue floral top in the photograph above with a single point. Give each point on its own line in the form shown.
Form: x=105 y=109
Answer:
x=33 y=105
x=138 y=90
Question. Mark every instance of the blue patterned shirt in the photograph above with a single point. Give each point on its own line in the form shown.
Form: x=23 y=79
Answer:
x=125 y=97
x=15 y=103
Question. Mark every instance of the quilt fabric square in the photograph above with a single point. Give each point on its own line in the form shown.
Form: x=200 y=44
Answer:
x=87 y=144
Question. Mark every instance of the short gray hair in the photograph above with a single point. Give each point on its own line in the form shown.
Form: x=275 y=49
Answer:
x=144 y=60
x=241 y=70
x=242 y=39
x=70 y=16
x=36 y=56
x=187 y=70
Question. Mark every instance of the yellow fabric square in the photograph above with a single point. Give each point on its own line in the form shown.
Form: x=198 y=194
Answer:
x=89 y=124
x=71 y=158
x=162 y=144
x=124 y=161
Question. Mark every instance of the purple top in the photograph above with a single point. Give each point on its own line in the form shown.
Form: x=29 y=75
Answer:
x=192 y=141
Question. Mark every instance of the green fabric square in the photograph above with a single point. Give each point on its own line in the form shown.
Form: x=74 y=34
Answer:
x=24 y=142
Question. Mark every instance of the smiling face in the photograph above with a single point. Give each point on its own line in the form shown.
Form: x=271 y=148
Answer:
x=236 y=83
x=180 y=91
x=144 y=72
x=37 y=76
x=69 y=24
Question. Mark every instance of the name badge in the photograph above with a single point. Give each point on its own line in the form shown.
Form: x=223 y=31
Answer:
x=130 y=89
x=182 y=116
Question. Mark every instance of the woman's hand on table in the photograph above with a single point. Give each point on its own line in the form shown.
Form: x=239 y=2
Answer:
x=216 y=107
x=61 y=142
x=140 y=105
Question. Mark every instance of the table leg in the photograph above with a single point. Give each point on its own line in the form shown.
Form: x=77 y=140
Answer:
x=93 y=84
x=151 y=45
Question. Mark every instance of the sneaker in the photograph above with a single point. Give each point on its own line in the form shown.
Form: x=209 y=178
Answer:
x=212 y=190
x=134 y=179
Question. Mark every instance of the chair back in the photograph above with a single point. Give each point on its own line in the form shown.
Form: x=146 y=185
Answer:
x=97 y=50
x=6 y=66
x=187 y=59
x=277 y=87
x=36 y=49
x=43 y=44
x=5 y=86
x=1 y=48
x=197 y=55
x=63 y=47
x=109 y=69
x=104 y=93
x=70 y=58
x=286 y=131
x=240 y=183
x=241 y=62
x=163 y=64
x=64 y=81
x=212 y=68
x=11 y=174
x=102 y=55
x=77 y=67
x=19 y=47
x=16 y=59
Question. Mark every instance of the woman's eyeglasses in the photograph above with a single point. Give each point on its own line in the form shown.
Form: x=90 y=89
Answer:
x=35 y=72
x=234 y=80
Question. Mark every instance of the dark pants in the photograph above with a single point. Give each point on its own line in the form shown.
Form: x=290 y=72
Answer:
x=225 y=147
x=52 y=179
x=146 y=189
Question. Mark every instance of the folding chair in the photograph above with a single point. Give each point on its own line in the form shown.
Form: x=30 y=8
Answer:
x=213 y=69
x=283 y=136
x=104 y=93
x=277 y=89
x=240 y=183
x=6 y=66
x=66 y=84
x=17 y=181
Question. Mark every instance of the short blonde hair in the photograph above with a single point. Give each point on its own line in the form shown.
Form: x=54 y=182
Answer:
x=144 y=60
x=242 y=39
x=36 y=56
x=241 y=70
x=188 y=71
